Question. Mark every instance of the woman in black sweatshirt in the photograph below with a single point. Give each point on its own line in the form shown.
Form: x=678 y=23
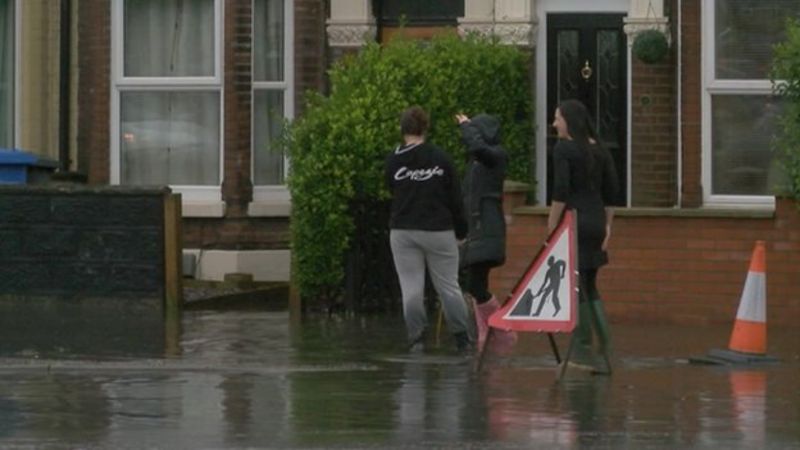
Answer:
x=426 y=221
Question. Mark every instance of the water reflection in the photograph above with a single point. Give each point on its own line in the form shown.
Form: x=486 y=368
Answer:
x=436 y=402
x=253 y=380
x=528 y=406
x=48 y=409
x=749 y=388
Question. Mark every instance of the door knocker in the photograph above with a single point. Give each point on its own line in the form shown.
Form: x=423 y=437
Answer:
x=586 y=72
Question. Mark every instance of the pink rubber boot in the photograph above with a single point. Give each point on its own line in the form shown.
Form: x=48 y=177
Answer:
x=502 y=341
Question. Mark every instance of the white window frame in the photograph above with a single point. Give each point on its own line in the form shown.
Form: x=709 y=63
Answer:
x=198 y=201
x=274 y=200
x=712 y=86
x=17 y=71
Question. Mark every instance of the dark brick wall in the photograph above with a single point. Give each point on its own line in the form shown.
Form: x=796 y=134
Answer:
x=654 y=156
x=236 y=234
x=94 y=89
x=82 y=242
x=310 y=52
x=691 y=96
x=237 y=186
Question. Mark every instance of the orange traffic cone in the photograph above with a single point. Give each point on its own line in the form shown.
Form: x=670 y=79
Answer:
x=748 y=342
x=750 y=329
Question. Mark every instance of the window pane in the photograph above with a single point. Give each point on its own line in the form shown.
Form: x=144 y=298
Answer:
x=267 y=126
x=170 y=138
x=567 y=78
x=268 y=40
x=6 y=73
x=609 y=90
x=743 y=127
x=169 y=38
x=745 y=31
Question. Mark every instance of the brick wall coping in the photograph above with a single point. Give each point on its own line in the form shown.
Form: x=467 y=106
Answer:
x=727 y=213
x=45 y=189
x=516 y=186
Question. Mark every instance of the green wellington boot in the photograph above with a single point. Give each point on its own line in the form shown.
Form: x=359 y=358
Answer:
x=582 y=353
x=601 y=325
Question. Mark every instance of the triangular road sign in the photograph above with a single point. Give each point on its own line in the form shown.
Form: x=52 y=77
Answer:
x=545 y=299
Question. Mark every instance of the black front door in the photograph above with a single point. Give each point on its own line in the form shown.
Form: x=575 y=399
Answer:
x=587 y=61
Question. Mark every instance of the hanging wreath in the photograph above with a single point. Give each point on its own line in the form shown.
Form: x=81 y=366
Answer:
x=650 y=46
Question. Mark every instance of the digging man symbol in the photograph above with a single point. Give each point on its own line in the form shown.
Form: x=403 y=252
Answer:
x=552 y=281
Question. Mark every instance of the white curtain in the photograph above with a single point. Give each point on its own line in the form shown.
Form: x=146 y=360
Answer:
x=170 y=138
x=169 y=38
x=6 y=73
x=268 y=122
x=268 y=102
x=169 y=134
x=268 y=40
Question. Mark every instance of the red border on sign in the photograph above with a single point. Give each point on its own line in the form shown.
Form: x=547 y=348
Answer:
x=498 y=320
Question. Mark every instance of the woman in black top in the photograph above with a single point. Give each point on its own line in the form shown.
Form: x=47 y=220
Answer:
x=485 y=246
x=426 y=221
x=584 y=179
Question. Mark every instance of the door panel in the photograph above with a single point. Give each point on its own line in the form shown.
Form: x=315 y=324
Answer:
x=586 y=60
x=386 y=33
x=416 y=20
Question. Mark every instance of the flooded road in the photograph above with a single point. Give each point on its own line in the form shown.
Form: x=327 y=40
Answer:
x=250 y=379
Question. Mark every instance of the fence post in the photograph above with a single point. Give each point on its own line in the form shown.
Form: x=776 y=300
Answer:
x=173 y=253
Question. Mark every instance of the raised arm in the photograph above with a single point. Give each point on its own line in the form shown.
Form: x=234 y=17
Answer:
x=476 y=144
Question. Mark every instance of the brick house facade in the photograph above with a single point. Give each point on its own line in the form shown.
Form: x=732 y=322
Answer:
x=683 y=233
x=680 y=252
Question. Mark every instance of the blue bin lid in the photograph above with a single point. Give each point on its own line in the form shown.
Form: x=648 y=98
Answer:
x=10 y=156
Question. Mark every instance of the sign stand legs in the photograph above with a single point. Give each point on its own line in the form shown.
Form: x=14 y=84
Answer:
x=490 y=334
x=603 y=348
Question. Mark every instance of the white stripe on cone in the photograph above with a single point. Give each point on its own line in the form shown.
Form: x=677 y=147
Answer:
x=752 y=305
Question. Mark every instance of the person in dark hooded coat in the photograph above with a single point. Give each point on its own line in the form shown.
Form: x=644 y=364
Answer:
x=485 y=245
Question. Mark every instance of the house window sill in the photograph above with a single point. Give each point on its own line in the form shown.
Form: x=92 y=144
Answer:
x=275 y=208
x=705 y=212
x=195 y=209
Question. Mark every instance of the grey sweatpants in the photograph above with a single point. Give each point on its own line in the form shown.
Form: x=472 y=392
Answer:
x=412 y=251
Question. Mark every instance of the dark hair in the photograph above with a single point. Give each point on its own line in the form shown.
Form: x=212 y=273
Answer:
x=579 y=126
x=414 y=121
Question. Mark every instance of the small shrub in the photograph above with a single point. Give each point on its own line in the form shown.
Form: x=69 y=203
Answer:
x=650 y=46
x=785 y=77
x=337 y=148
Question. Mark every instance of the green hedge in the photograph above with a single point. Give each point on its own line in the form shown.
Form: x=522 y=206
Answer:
x=786 y=68
x=338 y=146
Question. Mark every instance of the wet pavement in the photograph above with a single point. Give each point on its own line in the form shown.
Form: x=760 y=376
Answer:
x=253 y=379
